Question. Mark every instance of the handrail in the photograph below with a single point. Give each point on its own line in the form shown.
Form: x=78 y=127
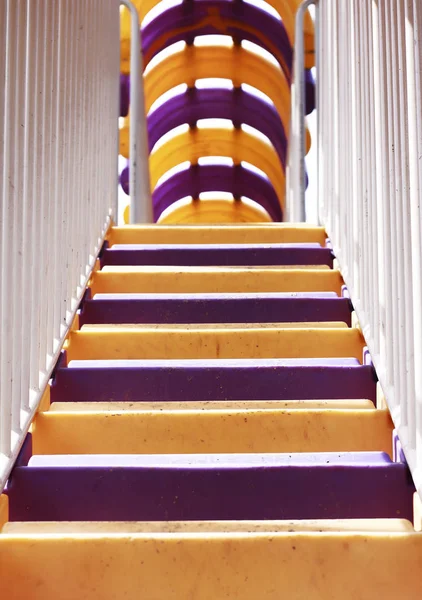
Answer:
x=139 y=179
x=296 y=192
x=370 y=130
x=58 y=112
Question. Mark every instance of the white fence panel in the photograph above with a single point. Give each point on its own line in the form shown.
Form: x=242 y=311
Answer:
x=370 y=186
x=59 y=69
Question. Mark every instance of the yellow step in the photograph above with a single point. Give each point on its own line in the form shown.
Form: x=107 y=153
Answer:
x=281 y=233
x=228 y=562
x=218 y=341
x=214 y=280
x=134 y=429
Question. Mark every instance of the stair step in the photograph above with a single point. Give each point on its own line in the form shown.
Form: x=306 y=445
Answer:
x=177 y=527
x=79 y=428
x=210 y=487
x=128 y=327
x=213 y=379
x=326 y=565
x=214 y=255
x=218 y=342
x=215 y=405
x=214 y=279
x=218 y=234
x=216 y=308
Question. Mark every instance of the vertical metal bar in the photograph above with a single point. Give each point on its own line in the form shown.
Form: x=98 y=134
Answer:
x=139 y=183
x=295 y=202
x=7 y=266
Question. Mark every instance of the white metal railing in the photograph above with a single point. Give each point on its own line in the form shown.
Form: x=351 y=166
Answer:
x=59 y=73
x=370 y=186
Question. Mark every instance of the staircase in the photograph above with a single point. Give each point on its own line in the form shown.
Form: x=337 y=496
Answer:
x=211 y=432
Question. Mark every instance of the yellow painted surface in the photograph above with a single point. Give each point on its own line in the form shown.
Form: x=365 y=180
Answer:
x=232 y=143
x=234 y=63
x=237 y=64
x=122 y=527
x=285 y=8
x=182 y=566
x=45 y=400
x=217 y=342
x=281 y=233
x=213 y=211
x=214 y=279
x=191 y=431
x=4 y=509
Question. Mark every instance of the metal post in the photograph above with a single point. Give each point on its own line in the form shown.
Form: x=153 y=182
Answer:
x=296 y=208
x=139 y=181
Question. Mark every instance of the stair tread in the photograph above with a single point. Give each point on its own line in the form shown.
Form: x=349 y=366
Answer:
x=215 y=296
x=294 y=565
x=225 y=246
x=324 y=460
x=382 y=526
x=215 y=279
x=140 y=327
x=227 y=405
x=209 y=342
x=209 y=363
x=77 y=427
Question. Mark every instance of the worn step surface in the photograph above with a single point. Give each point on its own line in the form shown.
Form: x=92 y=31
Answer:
x=193 y=427
x=226 y=341
x=164 y=280
x=318 y=565
x=279 y=233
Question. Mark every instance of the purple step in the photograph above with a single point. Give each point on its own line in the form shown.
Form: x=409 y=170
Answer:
x=213 y=379
x=215 y=308
x=218 y=255
x=239 y=20
x=211 y=487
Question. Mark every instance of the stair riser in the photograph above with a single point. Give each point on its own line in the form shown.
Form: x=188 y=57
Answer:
x=217 y=257
x=156 y=310
x=139 y=494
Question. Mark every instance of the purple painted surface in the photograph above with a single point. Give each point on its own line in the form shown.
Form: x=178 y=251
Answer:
x=124 y=95
x=218 y=256
x=239 y=20
x=156 y=309
x=335 y=490
x=236 y=105
x=280 y=138
x=310 y=92
x=237 y=181
x=151 y=383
